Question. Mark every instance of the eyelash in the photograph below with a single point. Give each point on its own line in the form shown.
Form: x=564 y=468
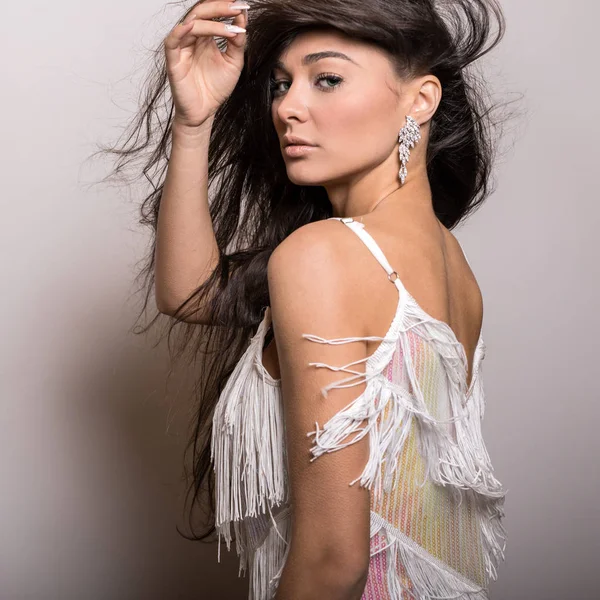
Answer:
x=276 y=82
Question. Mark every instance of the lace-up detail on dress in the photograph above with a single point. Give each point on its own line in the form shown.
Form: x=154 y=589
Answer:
x=436 y=507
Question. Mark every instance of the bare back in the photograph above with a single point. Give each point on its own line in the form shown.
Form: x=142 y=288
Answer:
x=432 y=266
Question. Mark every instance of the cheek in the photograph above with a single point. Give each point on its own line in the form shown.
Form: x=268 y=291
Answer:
x=356 y=127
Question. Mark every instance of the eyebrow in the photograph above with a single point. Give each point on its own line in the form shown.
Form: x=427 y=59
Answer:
x=310 y=59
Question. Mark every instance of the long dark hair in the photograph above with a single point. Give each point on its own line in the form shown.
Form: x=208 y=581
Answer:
x=253 y=204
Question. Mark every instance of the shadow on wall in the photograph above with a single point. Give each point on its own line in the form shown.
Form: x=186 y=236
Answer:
x=127 y=435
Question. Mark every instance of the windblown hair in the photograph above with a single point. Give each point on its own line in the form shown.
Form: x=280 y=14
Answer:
x=254 y=206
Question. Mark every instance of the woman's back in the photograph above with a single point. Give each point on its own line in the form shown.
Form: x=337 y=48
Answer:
x=435 y=506
x=430 y=263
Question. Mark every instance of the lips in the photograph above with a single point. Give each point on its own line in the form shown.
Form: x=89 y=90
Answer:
x=295 y=150
x=295 y=141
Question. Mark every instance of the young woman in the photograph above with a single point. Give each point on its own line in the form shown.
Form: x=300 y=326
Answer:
x=337 y=135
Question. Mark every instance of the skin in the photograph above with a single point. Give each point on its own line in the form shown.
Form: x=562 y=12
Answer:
x=353 y=118
x=355 y=124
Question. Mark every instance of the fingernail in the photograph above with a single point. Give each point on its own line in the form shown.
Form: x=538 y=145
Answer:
x=235 y=28
x=239 y=4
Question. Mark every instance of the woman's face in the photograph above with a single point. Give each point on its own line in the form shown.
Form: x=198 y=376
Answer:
x=344 y=107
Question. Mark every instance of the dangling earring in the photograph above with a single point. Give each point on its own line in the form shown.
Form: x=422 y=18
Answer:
x=409 y=135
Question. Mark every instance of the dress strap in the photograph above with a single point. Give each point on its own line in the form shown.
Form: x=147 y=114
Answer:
x=373 y=246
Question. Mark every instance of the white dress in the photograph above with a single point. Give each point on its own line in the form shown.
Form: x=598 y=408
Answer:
x=436 y=507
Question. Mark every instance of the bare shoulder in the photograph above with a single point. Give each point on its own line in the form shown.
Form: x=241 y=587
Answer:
x=328 y=269
x=316 y=262
x=318 y=247
x=307 y=250
x=306 y=236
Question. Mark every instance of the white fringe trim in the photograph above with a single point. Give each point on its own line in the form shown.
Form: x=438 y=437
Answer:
x=268 y=560
x=248 y=451
x=463 y=464
x=430 y=578
x=247 y=444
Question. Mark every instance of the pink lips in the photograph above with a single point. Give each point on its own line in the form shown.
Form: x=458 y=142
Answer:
x=297 y=150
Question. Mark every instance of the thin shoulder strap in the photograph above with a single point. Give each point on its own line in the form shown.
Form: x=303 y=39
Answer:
x=373 y=246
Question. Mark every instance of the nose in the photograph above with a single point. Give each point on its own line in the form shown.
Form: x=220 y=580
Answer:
x=293 y=104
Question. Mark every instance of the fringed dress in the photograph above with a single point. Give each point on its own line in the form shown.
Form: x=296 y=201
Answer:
x=436 y=508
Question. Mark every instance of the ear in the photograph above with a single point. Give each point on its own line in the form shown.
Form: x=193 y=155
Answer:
x=427 y=92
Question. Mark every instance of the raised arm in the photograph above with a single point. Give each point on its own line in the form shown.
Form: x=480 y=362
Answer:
x=186 y=248
x=201 y=78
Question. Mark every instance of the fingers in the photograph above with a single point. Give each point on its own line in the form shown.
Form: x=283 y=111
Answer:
x=212 y=9
x=202 y=13
x=199 y=23
x=236 y=45
x=174 y=41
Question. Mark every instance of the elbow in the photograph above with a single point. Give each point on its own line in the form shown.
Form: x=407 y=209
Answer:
x=346 y=562
x=159 y=300
x=163 y=307
x=168 y=308
x=165 y=302
x=335 y=575
x=348 y=574
x=165 y=298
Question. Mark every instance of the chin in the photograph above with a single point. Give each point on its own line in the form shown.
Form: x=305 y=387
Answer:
x=307 y=181
x=305 y=174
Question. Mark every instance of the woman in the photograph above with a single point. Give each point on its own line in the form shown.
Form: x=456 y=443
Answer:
x=312 y=118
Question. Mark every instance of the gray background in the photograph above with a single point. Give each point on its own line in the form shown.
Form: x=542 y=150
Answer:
x=92 y=441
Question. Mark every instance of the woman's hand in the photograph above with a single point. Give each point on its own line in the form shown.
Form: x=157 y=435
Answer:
x=200 y=75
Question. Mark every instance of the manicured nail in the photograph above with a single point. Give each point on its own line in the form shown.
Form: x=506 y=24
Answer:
x=239 y=4
x=235 y=29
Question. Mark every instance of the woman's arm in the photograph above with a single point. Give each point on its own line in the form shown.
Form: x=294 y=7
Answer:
x=304 y=579
x=186 y=247
x=311 y=293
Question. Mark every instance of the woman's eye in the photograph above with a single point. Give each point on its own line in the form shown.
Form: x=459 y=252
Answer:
x=333 y=81
x=331 y=78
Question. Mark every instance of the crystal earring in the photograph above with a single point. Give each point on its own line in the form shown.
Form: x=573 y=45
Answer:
x=409 y=135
